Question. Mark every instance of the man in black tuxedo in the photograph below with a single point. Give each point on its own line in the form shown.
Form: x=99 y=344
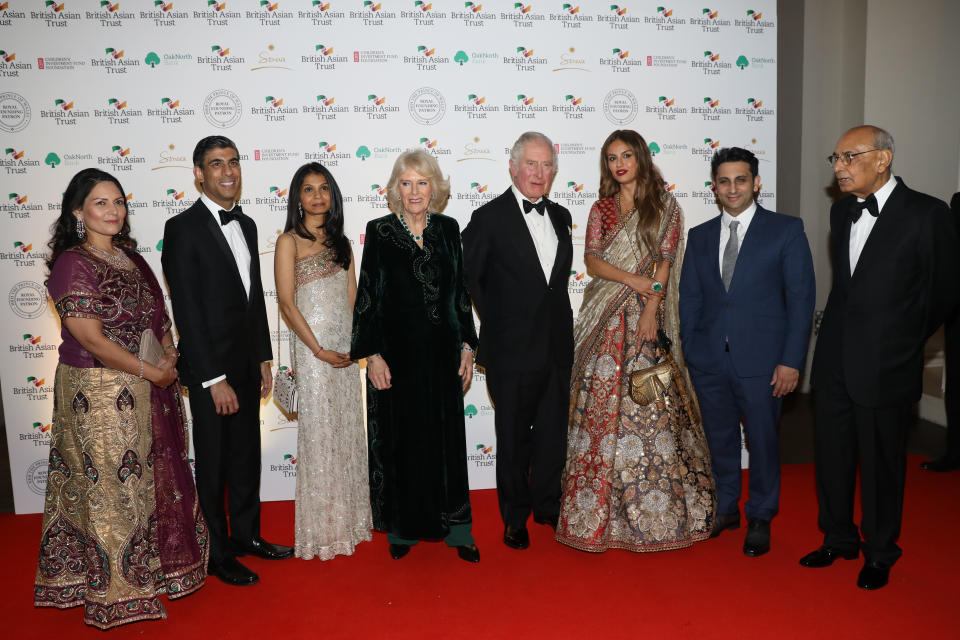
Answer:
x=894 y=282
x=950 y=460
x=211 y=264
x=518 y=251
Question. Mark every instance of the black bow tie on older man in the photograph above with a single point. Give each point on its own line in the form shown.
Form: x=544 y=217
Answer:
x=870 y=204
x=539 y=206
x=226 y=217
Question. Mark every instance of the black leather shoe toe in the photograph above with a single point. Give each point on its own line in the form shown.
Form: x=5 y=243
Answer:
x=824 y=557
x=757 y=541
x=262 y=549
x=397 y=551
x=232 y=572
x=516 y=538
x=873 y=576
x=724 y=521
x=469 y=553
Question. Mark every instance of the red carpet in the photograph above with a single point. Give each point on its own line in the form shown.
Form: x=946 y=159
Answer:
x=550 y=591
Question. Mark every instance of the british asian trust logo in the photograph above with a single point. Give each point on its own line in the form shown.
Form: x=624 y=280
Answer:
x=324 y=58
x=287 y=467
x=525 y=107
x=114 y=61
x=570 y=16
x=109 y=14
x=523 y=16
x=474 y=14
x=666 y=108
x=15 y=161
x=371 y=13
x=117 y=111
x=328 y=155
x=274 y=109
x=377 y=107
x=754 y=110
x=163 y=14
x=522 y=58
x=325 y=107
x=217 y=14
x=38 y=434
x=321 y=13
x=120 y=158
x=10 y=67
x=23 y=254
x=618 y=16
x=422 y=13
x=275 y=200
x=712 y=64
x=754 y=22
x=475 y=107
x=8 y=15
x=220 y=59
x=269 y=15
x=709 y=20
x=573 y=107
x=482 y=455
x=710 y=109
x=19 y=206
x=65 y=113
x=55 y=14
x=573 y=194
x=619 y=61
x=33 y=389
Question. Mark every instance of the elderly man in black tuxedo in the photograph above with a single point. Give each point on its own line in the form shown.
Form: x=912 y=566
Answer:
x=894 y=282
x=518 y=251
x=212 y=266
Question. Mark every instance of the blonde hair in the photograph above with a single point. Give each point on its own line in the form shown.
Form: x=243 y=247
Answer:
x=426 y=165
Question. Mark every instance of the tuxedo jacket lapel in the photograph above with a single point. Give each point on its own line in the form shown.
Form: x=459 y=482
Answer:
x=210 y=224
x=564 y=248
x=884 y=232
x=516 y=228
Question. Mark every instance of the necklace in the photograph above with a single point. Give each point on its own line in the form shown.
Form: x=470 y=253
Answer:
x=417 y=238
x=119 y=260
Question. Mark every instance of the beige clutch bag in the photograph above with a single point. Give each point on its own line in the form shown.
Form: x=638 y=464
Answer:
x=151 y=351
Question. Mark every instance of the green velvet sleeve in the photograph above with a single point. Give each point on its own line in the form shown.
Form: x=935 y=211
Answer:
x=367 y=335
x=468 y=332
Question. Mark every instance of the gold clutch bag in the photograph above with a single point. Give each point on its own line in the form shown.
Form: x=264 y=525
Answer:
x=151 y=351
x=650 y=384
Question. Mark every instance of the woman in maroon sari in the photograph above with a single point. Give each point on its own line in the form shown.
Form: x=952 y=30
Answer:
x=121 y=522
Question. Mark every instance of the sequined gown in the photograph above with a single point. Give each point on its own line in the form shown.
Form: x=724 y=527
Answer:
x=333 y=495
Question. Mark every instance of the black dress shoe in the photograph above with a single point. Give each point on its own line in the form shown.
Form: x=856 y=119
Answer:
x=516 y=537
x=470 y=554
x=548 y=520
x=262 y=549
x=824 y=557
x=940 y=464
x=397 y=551
x=725 y=521
x=873 y=576
x=757 y=541
x=230 y=571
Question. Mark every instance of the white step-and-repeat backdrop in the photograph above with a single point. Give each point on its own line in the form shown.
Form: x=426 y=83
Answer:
x=130 y=86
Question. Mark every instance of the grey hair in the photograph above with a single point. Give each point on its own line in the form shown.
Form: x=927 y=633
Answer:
x=882 y=139
x=526 y=138
x=426 y=165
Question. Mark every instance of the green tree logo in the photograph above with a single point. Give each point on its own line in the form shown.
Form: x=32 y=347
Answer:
x=152 y=59
x=362 y=152
x=52 y=159
x=470 y=411
x=654 y=148
x=742 y=62
x=461 y=57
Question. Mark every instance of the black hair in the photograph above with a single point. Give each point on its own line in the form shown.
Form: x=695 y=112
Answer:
x=734 y=154
x=211 y=142
x=63 y=231
x=332 y=222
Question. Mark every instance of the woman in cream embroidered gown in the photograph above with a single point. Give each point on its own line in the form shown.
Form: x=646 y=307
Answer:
x=315 y=290
x=638 y=477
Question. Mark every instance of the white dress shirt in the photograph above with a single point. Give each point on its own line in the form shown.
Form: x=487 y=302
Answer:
x=860 y=230
x=241 y=253
x=725 y=219
x=543 y=234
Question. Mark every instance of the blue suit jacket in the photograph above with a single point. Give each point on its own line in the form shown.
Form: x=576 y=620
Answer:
x=765 y=316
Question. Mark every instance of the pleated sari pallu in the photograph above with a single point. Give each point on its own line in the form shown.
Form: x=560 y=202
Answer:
x=636 y=477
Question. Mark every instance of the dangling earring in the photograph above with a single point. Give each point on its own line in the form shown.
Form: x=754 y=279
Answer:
x=81 y=232
x=300 y=205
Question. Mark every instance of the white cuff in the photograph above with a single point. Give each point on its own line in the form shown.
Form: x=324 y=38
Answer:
x=210 y=383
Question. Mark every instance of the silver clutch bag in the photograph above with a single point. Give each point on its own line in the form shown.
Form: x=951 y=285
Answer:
x=151 y=351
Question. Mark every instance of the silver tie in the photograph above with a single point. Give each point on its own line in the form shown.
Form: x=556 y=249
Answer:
x=730 y=255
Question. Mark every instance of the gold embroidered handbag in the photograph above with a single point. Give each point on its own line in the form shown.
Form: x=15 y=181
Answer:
x=651 y=384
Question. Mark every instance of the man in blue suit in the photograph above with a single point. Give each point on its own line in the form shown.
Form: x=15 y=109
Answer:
x=747 y=294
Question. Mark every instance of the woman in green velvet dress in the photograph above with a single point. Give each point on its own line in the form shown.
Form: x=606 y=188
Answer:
x=413 y=323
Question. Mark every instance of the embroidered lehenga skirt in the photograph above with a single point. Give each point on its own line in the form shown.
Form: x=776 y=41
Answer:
x=102 y=529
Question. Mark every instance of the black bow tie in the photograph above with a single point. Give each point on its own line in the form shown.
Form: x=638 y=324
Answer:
x=226 y=217
x=870 y=204
x=539 y=206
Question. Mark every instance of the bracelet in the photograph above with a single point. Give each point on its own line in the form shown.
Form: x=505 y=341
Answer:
x=466 y=347
x=316 y=354
x=141 y=366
